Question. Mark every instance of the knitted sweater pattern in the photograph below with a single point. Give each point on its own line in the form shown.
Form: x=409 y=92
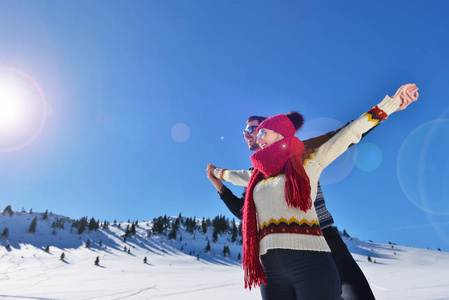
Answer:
x=284 y=227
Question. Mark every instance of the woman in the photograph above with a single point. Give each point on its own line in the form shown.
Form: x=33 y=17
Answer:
x=280 y=225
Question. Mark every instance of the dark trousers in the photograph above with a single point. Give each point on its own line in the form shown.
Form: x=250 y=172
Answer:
x=297 y=274
x=354 y=285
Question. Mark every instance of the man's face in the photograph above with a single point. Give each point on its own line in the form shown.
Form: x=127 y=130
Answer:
x=251 y=138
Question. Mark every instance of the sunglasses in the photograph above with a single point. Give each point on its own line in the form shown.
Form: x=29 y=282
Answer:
x=249 y=129
x=261 y=134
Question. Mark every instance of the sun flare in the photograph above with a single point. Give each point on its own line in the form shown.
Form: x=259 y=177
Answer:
x=23 y=110
x=12 y=111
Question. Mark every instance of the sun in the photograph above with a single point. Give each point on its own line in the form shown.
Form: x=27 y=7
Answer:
x=12 y=110
x=23 y=110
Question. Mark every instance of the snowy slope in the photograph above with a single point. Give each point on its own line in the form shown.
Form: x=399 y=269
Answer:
x=176 y=269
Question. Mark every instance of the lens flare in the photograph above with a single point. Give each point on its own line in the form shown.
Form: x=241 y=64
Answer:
x=23 y=110
x=423 y=167
x=180 y=132
x=368 y=157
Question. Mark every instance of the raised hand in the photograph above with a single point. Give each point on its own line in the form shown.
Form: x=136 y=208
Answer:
x=405 y=95
x=214 y=180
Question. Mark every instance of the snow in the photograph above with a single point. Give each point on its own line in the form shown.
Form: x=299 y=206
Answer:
x=173 y=270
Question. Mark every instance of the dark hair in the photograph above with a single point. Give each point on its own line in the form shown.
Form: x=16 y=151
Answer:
x=259 y=119
x=296 y=118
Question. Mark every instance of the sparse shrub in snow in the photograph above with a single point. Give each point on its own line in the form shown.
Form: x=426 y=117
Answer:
x=8 y=211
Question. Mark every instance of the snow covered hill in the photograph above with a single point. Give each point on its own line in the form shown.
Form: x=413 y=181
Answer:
x=123 y=261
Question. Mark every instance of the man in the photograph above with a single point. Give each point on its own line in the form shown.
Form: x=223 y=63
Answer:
x=354 y=283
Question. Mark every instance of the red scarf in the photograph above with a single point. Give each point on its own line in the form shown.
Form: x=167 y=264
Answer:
x=284 y=155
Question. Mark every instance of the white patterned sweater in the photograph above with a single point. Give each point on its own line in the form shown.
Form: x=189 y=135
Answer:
x=284 y=227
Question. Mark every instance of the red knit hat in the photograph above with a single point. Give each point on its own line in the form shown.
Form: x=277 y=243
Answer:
x=280 y=124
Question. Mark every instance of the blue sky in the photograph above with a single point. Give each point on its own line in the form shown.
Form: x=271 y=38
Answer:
x=123 y=104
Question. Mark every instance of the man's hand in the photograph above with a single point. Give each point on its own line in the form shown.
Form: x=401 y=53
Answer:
x=405 y=95
x=214 y=180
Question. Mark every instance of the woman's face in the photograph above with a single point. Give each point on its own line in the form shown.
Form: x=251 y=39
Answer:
x=266 y=137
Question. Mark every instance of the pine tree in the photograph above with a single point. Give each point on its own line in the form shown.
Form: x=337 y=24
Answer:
x=204 y=226
x=145 y=260
x=62 y=256
x=239 y=257
x=8 y=211
x=32 y=228
x=208 y=246
x=240 y=228
x=369 y=258
x=93 y=224
x=172 y=234
x=226 y=251
x=5 y=233
x=88 y=243
x=97 y=261
x=133 y=229
x=215 y=235
x=234 y=231
x=45 y=215
x=47 y=249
